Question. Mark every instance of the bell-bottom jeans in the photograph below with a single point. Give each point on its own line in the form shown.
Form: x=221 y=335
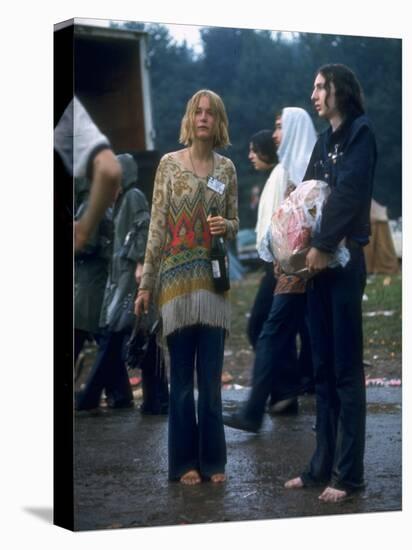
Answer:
x=335 y=320
x=276 y=368
x=196 y=441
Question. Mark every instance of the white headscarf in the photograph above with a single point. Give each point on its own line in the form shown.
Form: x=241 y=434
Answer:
x=298 y=140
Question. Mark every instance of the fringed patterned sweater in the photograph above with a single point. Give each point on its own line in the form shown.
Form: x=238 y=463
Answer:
x=177 y=268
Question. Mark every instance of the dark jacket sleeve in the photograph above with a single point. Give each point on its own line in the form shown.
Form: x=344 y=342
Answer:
x=310 y=170
x=351 y=192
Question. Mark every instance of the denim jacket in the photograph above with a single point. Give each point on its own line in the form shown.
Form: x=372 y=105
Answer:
x=346 y=160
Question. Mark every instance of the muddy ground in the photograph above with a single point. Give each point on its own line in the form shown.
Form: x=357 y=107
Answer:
x=121 y=456
x=121 y=469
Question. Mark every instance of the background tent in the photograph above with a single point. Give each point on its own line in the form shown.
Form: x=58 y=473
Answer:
x=380 y=253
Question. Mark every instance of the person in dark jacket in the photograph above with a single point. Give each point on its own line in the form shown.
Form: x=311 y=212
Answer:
x=262 y=155
x=90 y=271
x=131 y=222
x=345 y=157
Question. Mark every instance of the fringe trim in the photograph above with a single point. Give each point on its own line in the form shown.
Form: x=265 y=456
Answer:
x=197 y=308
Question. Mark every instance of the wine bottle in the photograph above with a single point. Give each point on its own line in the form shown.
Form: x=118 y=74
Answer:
x=219 y=260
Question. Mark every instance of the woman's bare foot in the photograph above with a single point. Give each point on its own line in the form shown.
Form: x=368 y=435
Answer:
x=192 y=477
x=330 y=494
x=295 y=483
x=217 y=478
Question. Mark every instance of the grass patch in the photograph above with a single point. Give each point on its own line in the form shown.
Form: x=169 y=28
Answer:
x=382 y=333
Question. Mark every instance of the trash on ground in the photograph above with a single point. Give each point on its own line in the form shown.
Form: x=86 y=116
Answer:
x=137 y=394
x=226 y=377
x=233 y=387
x=384 y=382
x=384 y=313
x=244 y=352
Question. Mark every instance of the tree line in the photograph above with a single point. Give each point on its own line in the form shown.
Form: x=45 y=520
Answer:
x=258 y=73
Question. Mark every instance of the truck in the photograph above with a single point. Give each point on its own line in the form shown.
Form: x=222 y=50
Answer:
x=111 y=78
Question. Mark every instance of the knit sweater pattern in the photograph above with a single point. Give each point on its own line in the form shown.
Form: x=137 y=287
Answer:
x=177 y=268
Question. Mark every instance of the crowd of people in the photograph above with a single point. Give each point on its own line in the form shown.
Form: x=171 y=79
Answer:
x=306 y=331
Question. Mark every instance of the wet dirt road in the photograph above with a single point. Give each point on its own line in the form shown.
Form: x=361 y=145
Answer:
x=121 y=469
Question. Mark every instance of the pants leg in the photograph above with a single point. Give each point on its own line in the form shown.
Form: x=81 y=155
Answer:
x=209 y=363
x=335 y=309
x=261 y=306
x=108 y=372
x=347 y=471
x=154 y=380
x=305 y=353
x=183 y=430
x=118 y=389
x=320 y=322
x=274 y=367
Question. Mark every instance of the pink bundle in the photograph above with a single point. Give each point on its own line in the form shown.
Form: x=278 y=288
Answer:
x=293 y=223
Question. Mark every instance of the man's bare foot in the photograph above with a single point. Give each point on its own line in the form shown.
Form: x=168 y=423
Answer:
x=330 y=494
x=217 y=478
x=192 y=477
x=295 y=483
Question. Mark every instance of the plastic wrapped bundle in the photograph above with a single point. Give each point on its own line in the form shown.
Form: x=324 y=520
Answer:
x=289 y=236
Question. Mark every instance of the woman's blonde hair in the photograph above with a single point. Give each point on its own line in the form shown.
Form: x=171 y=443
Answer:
x=221 y=137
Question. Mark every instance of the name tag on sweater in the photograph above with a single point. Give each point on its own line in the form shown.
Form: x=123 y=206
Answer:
x=215 y=185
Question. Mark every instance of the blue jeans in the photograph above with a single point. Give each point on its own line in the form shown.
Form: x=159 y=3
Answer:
x=260 y=312
x=196 y=443
x=335 y=315
x=276 y=366
x=261 y=306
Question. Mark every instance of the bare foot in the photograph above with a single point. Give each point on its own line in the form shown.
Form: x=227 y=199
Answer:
x=295 y=483
x=191 y=477
x=217 y=478
x=330 y=494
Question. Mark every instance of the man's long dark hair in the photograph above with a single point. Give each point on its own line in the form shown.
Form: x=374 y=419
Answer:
x=348 y=91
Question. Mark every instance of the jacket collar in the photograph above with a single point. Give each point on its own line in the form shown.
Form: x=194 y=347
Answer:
x=346 y=131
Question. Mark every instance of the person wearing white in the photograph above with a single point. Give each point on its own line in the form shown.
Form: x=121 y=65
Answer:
x=294 y=136
x=277 y=371
x=77 y=138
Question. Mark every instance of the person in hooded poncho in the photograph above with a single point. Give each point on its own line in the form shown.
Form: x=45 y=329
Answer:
x=277 y=371
x=130 y=222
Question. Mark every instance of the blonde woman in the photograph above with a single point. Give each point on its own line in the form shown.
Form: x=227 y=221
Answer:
x=195 y=317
